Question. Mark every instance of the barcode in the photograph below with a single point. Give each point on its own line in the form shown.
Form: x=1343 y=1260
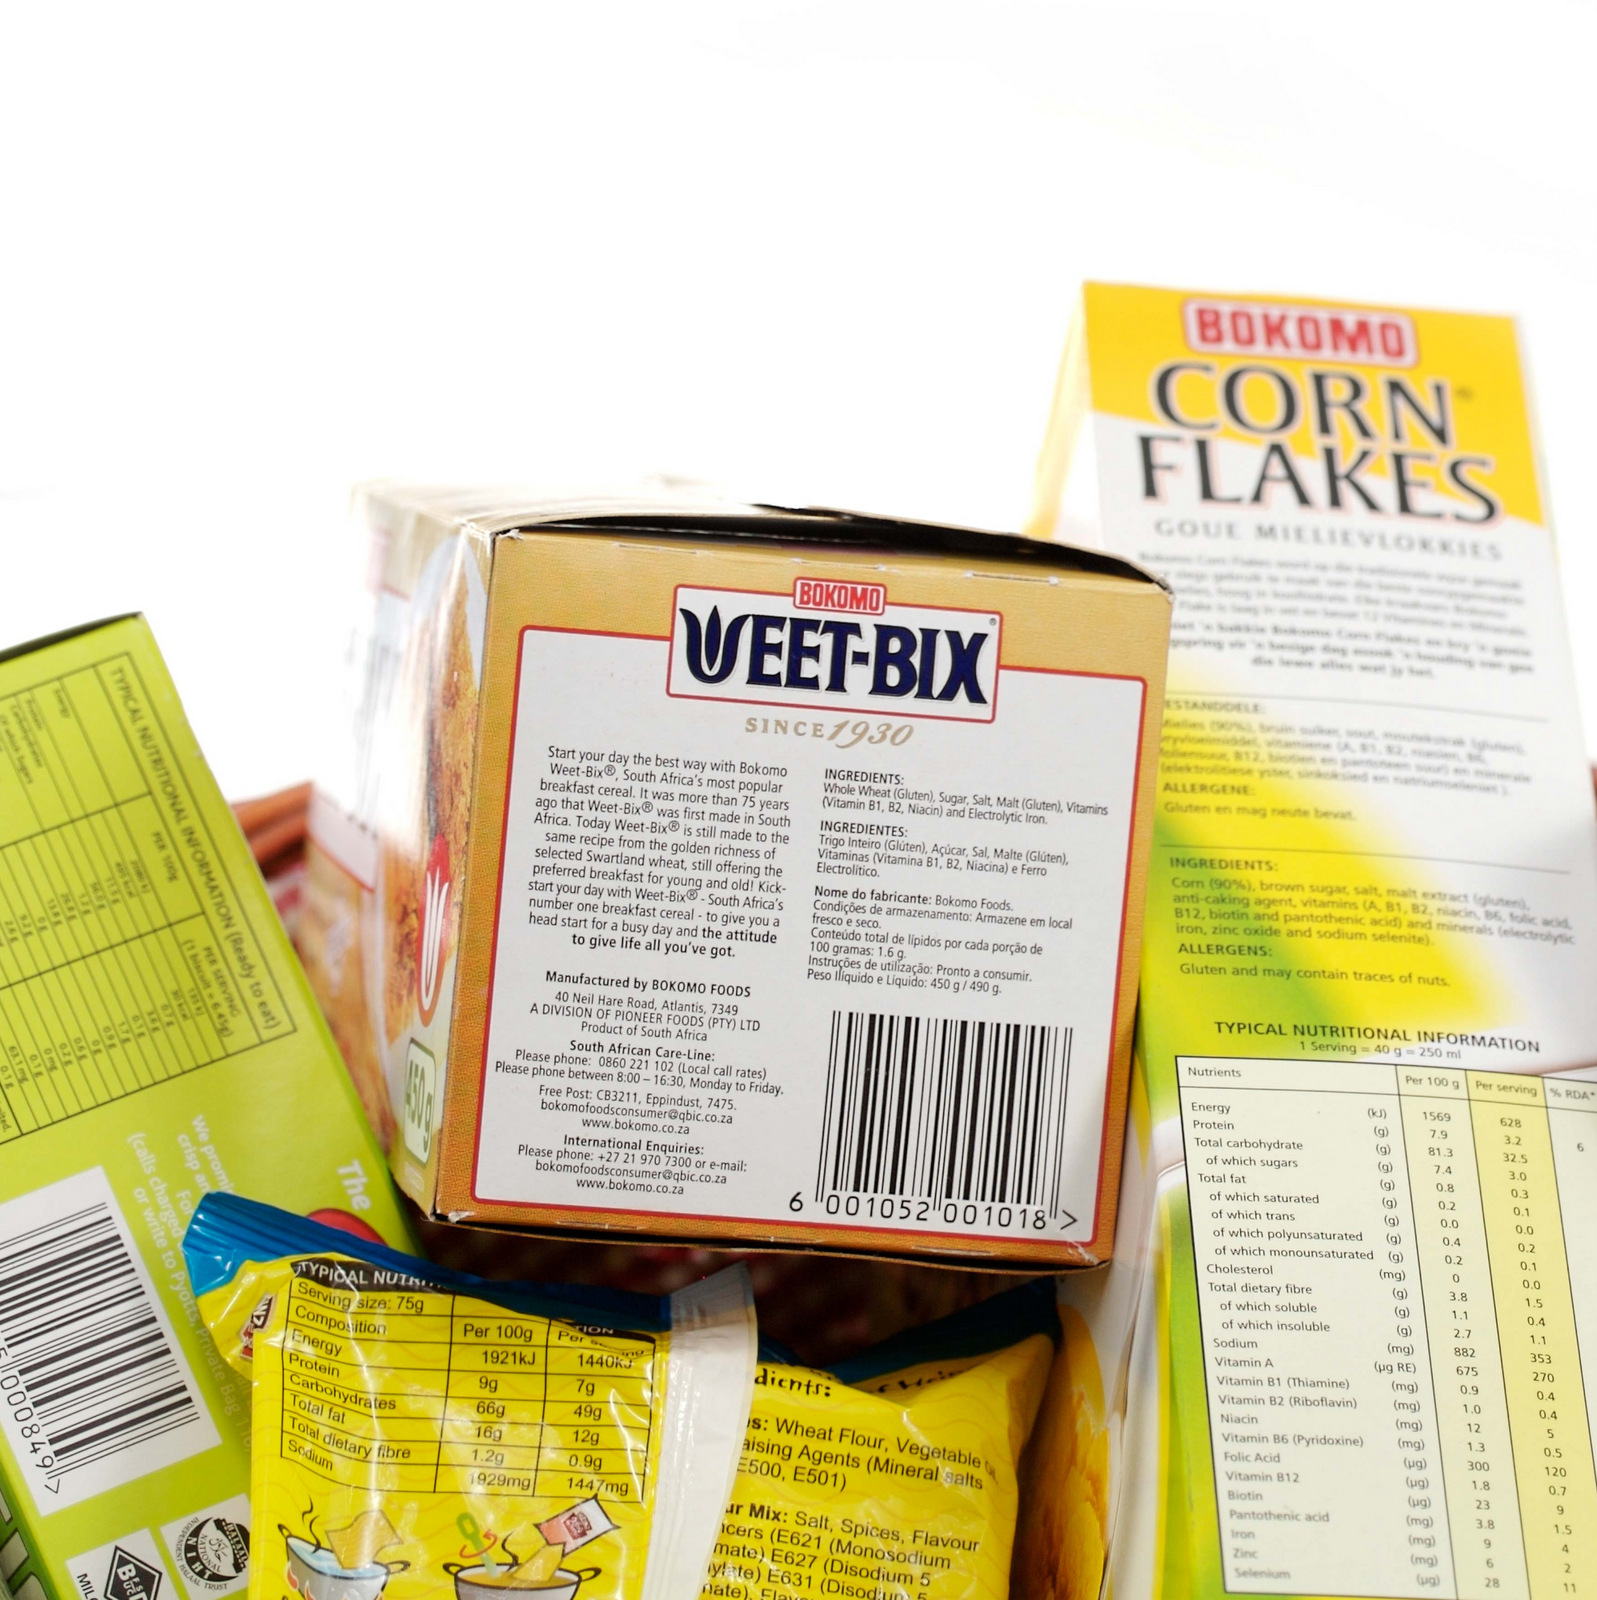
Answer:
x=928 y=1108
x=98 y=1393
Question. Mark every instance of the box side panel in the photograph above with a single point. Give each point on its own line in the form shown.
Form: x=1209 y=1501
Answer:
x=1135 y=919
x=1068 y=429
x=157 y=1042
x=727 y=855
x=334 y=925
x=389 y=831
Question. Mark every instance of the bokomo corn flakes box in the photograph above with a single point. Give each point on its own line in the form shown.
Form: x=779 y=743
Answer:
x=157 y=1044
x=714 y=872
x=1348 y=1343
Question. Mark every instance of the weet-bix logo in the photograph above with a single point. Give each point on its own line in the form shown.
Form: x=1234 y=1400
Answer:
x=834 y=646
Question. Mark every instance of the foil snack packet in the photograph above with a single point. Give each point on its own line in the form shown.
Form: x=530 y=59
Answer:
x=894 y=1474
x=419 y=1434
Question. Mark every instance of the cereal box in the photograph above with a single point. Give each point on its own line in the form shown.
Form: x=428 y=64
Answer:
x=721 y=873
x=1346 y=1345
x=157 y=1044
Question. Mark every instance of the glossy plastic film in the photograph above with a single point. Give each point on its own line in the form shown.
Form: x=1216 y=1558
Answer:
x=893 y=1475
x=419 y=1434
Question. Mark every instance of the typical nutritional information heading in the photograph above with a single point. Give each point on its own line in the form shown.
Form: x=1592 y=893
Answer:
x=1395 y=1283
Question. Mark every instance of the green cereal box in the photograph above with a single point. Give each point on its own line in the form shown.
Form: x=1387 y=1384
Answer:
x=157 y=1043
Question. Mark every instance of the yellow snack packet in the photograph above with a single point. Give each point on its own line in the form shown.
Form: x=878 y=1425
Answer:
x=893 y=1475
x=418 y=1434
x=1062 y=1541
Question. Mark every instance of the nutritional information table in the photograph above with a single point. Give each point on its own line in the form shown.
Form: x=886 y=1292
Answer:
x=473 y=1398
x=1396 y=1283
x=125 y=954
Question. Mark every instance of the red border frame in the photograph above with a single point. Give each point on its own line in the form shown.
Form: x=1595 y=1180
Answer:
x=851 y=1226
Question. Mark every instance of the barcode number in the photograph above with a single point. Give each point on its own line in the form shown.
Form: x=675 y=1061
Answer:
x=93 y=1390
x=932 y=1119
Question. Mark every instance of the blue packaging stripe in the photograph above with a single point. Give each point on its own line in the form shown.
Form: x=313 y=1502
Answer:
x=227 y=1231
x=773 y=1353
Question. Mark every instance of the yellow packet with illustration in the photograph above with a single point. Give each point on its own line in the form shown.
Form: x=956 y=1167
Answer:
x=418 y=1434
x=892 y=1475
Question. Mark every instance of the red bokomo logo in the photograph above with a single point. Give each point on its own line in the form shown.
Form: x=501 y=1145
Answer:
x=821 y=594
x=432 y=919
x=1248 y=328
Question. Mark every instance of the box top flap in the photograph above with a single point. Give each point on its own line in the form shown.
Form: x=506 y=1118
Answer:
x=671 y=510
x=30 y=645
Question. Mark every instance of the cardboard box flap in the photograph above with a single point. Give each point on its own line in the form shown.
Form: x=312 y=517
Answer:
x=44 y=643
x=680 y=511
x=850 y=529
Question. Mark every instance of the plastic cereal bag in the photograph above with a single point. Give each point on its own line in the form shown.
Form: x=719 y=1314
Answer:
x=418 y=1434
x=1064 y=1535
x=893 y=1475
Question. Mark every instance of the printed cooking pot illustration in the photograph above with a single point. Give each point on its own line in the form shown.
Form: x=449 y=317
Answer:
x=482 y=1583
x=315 y=1572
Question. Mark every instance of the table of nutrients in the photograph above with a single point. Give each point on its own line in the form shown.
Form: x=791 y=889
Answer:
x=126 y=956
x=1393 y=1325
x=473 y=1399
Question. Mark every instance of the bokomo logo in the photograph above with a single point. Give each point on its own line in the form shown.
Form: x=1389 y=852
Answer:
x=1250 y=328
x=819 y=594
x=774 y=649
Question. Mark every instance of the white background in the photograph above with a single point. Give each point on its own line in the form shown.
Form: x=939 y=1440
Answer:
x=822 y=251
